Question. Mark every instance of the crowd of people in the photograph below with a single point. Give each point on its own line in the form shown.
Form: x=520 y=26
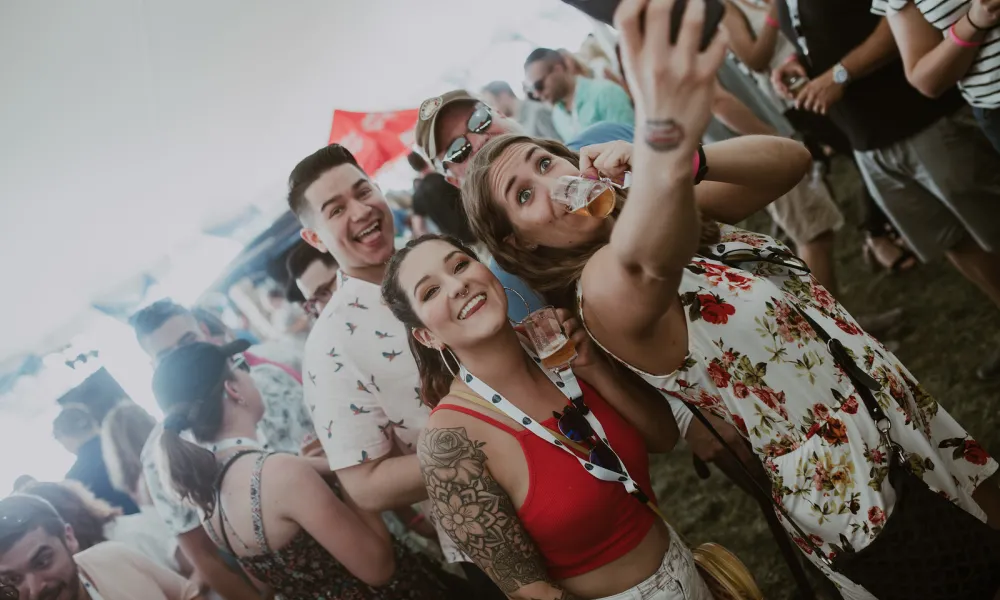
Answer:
x=426 y=441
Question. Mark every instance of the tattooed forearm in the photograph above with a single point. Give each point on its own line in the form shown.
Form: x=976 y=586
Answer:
x=663 y=135
x=475 y=511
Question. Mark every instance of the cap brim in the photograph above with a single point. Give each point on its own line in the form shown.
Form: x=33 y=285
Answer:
x=236 y=346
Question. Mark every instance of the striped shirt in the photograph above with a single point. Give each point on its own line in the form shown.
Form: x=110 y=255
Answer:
x=981 y=84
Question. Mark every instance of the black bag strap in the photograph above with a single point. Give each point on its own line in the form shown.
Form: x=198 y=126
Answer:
x=218 y=494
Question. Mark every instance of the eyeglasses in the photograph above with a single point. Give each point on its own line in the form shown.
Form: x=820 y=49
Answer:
x=460 y=149
x=574 y=425
x=322 y=295
x=9 y=592
x=241 y=363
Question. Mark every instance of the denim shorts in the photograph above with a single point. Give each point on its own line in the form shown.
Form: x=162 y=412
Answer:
x=676 y=579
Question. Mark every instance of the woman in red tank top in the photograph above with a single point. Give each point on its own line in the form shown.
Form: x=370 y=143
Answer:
x=527 y=509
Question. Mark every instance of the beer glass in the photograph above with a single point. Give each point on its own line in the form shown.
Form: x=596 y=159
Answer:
x=582 y=196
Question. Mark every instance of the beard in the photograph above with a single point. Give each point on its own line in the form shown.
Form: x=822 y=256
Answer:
x=70 y=588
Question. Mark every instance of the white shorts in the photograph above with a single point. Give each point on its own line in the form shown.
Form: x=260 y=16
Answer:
x=676 y=579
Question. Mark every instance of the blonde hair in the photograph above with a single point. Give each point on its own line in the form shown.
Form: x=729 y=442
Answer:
x=123 y=435
x=552 y=272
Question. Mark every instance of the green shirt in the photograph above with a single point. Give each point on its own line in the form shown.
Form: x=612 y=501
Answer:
x=595 y=101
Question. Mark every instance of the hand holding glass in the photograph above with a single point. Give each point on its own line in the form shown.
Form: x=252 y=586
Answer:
x=581 y=196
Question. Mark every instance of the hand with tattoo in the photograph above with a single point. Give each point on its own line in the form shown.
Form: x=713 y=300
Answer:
x=479 y=516
x=673 y=84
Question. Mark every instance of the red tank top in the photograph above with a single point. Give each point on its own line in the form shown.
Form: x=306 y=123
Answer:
x=579 y=522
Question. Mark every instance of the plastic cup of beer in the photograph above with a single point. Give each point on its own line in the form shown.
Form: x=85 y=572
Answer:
x=555 y=349
x=582 y=196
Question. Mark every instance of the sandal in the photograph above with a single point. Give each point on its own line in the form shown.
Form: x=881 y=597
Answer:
x=900 y=259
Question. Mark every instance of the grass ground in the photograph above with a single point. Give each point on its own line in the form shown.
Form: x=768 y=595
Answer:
x=949 y=327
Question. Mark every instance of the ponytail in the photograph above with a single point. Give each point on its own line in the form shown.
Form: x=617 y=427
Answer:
x=192 y=470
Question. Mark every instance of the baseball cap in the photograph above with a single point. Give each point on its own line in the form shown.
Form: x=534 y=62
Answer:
x=427 y=118
x=192 y=372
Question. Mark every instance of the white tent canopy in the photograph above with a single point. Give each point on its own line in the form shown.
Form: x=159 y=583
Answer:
x=130 y=123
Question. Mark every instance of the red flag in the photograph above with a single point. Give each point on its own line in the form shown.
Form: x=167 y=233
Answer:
x=374 y=138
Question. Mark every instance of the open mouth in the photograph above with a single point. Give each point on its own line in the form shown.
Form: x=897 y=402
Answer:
x=370 y=233
x=474 y=304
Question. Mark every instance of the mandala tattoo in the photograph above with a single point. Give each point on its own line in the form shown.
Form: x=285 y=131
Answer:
x=663 y=135
x=475 y=511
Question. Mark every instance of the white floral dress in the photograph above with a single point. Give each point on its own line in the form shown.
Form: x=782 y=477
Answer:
x=755 y=362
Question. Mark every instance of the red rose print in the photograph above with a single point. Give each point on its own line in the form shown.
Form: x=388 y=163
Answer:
x=974 y=453
x=714 y=309
x=718 y=375
x=706 y=400
x=878 y=457
x=740 y=424
x=835 y=432
x=850 y=406
x=820 y=411
x=822 y=296
x=814 y=429
x=848 y=328
x=769 y=397
x=741 y=390
x=876 y=516
x=804 y=545
x=729 y=357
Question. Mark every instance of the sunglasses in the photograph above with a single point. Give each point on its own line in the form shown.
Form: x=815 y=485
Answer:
x=535 y=88
x=240 y=363
x=574 y=425
x=322 y=295
x=9 y=592
x=770 y=254
x=460 y=148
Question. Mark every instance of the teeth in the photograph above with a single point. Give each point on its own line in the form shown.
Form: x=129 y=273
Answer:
x=475 y=301
x=373 y=227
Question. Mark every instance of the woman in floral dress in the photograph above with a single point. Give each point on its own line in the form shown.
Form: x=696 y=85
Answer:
x=729 y=340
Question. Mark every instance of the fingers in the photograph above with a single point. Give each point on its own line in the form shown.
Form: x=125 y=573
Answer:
x=587 y=156
x=713 y=56
x=627 y=21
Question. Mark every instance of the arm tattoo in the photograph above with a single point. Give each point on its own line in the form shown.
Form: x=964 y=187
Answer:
x=475 y=511
x=663 y=135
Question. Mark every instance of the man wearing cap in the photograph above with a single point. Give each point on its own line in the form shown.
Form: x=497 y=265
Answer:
x=39 y=560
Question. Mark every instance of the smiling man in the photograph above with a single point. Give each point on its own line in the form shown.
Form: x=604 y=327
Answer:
x=361 y=381
x=39 y=558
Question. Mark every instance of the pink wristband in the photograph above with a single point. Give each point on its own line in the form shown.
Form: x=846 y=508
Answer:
x=772 y=22
x=953 y=35
x=695 y=165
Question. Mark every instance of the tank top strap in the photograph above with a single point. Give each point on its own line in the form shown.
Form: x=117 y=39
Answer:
x=255 y=505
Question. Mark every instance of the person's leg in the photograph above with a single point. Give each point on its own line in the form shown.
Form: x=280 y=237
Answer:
x=979 y=266
x=987 y=496
x=989 y=122
x=818 y=254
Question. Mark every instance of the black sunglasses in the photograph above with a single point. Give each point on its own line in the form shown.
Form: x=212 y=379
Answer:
x=241 y=363
x=460 y=149
x=775 y=256
x=574 y=425
x=9 y=592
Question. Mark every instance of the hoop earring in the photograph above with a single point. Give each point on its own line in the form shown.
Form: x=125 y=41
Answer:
x=444 y=359
x=527 y=309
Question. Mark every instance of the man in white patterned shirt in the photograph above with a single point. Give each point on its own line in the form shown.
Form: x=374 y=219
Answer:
x=361 y=381
x=162 y=327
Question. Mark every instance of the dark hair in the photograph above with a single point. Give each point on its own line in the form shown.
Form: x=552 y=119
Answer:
x=148 y=320
x=303 y=255
x=20 y=514
x=123 y=435
x=78 y=506
x=498 y=88
x=417 y=162
x=210 y=321
x=312 y=168
x=435 y=377
x=548 y=55
x=189 y=385
x=75 y=420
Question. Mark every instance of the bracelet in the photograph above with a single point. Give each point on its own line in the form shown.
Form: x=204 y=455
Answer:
x=953 y=35
x=770 y=21
x=974 y=26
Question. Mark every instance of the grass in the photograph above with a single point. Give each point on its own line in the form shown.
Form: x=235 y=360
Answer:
x=949 y=328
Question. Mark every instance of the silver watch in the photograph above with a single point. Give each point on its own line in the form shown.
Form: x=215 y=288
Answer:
x=840 y=74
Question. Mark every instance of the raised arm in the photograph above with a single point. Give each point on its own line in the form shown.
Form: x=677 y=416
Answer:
x=755 y=51
x=479 y=516
x=934 y=63
x=384 y=483
x=356 y=540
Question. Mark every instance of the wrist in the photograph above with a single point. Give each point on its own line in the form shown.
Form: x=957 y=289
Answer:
x=772 y=22
x=967 y=39
x=977 y=27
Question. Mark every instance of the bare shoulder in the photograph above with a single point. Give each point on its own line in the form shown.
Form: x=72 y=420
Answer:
x=284 y=468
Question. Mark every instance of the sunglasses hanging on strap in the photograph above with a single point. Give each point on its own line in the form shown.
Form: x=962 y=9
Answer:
x=929 y=548
x=725 y=575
